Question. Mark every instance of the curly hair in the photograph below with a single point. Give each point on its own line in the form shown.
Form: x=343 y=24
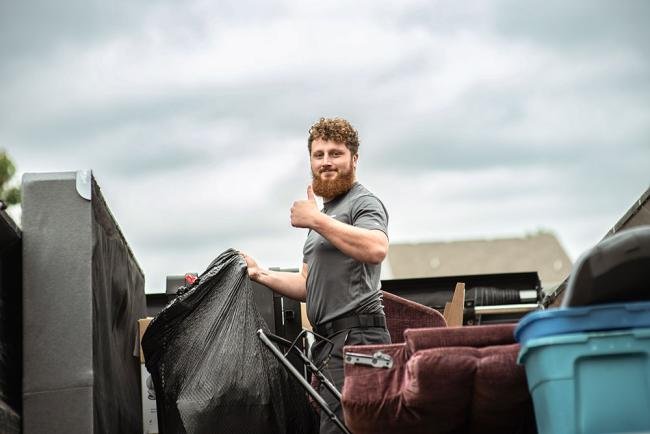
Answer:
x=337 y=130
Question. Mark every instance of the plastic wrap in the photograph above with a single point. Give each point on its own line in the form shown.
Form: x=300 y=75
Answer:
x=211 y=372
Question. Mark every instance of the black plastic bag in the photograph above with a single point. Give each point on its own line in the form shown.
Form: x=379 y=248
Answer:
x=211 y=373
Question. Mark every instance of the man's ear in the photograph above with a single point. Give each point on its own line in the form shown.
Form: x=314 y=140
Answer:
x=355 y=159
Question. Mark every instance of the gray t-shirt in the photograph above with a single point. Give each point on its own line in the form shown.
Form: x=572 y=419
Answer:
x=338 y=285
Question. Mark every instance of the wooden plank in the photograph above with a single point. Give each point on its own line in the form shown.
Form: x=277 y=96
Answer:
x=453 y=312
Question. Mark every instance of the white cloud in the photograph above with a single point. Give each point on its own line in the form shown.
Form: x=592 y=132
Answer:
x=194 y=118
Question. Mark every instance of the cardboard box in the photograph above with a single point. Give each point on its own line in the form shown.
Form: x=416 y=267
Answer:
x=149 y=409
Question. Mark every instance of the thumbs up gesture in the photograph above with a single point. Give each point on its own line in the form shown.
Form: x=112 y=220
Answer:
x=305 y=212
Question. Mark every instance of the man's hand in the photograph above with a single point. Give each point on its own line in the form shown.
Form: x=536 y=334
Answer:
x=289 y=284
x=254 y=270
x=305 y=212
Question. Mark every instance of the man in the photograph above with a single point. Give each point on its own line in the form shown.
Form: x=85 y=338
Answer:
x=346 y=243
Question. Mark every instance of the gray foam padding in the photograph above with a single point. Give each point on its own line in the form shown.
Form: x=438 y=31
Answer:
x=83 y=293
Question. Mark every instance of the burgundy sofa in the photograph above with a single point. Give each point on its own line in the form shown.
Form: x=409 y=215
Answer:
x=402 y=314
x=444 y=380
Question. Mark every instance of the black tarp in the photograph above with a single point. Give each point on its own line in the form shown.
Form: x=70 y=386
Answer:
x=10 y=325
x=118 y=303
x=211 y=372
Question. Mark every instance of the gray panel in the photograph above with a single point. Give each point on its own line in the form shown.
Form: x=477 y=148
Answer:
x=58 y=411
x=57 y=301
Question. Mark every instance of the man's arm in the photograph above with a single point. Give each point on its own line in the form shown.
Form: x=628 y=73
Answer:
x=365 y=245
x=292 y=285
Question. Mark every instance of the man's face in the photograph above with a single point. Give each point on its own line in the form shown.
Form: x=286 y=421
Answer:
x=333 y=168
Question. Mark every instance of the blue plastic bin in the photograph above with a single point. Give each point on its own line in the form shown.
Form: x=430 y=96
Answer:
x=595 y=382
x=583 y=319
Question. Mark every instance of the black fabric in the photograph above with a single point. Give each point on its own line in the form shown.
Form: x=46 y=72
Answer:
x=9 y=420
x=10 y=325
x=211 y=372
x=493 y=296
x=118 y=303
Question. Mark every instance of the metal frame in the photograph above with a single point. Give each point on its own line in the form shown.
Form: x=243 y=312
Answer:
x=269 y=340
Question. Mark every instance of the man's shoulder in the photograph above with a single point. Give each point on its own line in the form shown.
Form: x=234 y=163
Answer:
x=359 y=191
x=360 y=197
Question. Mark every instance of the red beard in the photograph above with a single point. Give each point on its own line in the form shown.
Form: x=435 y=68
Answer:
x=331 y=188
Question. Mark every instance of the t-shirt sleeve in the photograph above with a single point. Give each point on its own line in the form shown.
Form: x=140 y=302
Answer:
x=369 y=213
x=307 y=249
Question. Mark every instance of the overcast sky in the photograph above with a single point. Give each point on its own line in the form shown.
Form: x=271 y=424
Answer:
x=477 y=119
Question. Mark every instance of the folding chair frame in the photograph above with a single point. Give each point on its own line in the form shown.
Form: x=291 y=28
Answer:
x=269 y=340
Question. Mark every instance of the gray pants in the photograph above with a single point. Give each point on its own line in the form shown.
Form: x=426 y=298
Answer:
x=334 y=369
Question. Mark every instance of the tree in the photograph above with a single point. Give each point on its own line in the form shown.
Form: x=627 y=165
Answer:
x=8 y=195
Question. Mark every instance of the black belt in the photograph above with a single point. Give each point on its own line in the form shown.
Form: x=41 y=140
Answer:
x=349 y=322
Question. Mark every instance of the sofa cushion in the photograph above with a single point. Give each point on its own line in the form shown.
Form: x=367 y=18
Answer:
x=444 y=380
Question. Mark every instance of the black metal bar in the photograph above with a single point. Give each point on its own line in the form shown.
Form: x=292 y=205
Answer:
x=310 y=390
x=308 y=363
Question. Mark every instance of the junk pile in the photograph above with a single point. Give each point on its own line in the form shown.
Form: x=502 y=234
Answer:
x=211 y=373
x=588 y=363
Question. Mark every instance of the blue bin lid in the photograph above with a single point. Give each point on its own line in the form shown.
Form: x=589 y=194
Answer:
x=618 y=342
x=583 y=319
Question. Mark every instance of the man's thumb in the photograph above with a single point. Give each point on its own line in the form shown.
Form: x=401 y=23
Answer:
x=310 y=193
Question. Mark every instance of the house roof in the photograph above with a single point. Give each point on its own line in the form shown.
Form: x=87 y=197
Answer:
x=540 y=252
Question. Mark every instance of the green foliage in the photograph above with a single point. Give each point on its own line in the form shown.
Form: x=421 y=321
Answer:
x=8 y=195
